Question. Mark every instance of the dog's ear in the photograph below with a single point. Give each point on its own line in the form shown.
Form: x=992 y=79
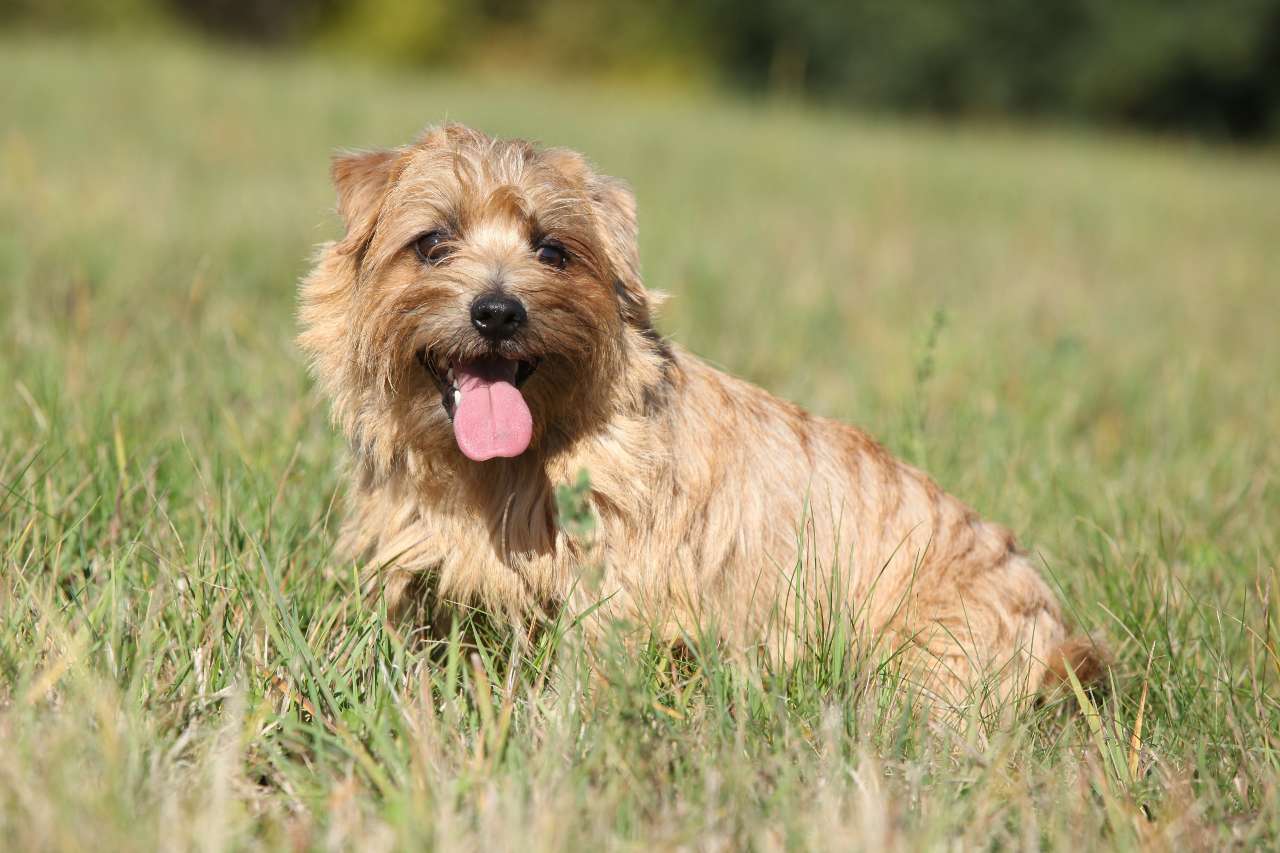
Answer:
x=361 y=179
x=615 y=208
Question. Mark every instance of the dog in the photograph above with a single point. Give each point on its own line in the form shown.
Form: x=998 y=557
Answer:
x=483 y=334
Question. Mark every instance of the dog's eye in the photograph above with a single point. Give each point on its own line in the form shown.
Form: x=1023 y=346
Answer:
x=552 y=255
x=433 y=247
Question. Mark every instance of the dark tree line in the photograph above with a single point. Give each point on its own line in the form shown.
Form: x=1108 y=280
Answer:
x=1211 y=68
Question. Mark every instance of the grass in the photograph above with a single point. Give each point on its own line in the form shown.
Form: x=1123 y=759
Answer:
x=1076 y=334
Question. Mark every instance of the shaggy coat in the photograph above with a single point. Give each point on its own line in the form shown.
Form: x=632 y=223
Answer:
x=718 y=506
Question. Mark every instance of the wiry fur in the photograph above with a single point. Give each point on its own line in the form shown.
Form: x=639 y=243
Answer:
x=717 y=504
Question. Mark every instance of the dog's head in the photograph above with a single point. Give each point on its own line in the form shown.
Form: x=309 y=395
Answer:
x=483 y=296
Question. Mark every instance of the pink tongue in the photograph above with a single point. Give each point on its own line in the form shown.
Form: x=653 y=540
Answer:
x=492 y=418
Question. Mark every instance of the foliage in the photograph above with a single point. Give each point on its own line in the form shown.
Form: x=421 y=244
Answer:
x=1210 y=68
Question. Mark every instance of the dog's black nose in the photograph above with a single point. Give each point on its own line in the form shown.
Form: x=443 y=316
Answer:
x=497 y=317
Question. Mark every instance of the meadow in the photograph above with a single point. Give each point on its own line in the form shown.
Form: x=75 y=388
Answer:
x=1078 y=334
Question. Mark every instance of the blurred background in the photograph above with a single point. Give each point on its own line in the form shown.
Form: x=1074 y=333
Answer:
x=1210 y=69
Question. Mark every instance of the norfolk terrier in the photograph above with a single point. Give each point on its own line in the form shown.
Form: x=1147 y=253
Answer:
x=483 y=334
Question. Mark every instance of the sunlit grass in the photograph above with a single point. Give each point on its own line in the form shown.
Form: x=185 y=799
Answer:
x=1075 y=334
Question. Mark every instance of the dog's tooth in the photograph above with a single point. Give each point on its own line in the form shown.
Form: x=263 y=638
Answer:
x=457 y=396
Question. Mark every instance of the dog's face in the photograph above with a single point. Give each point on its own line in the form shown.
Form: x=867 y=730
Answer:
x=481 y=292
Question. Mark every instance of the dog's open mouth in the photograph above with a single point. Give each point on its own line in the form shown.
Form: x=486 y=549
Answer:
x=482 y=398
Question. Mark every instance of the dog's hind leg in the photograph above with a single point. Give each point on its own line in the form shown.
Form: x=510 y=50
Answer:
x=980 y=640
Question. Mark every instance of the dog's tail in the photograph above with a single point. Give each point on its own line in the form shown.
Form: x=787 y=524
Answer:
x=1083 y=655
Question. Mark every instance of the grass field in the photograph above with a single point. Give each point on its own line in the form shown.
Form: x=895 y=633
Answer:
x=1078 y=335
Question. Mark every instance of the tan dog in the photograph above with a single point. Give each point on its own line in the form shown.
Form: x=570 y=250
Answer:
x=484 y=335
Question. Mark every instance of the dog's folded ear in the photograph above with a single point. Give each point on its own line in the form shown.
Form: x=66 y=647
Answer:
x=361 y=179
x=615 y=207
